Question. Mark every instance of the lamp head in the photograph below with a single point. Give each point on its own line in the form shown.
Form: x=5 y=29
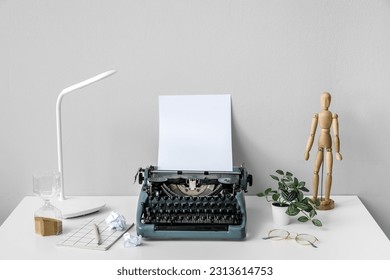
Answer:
x=88 y=82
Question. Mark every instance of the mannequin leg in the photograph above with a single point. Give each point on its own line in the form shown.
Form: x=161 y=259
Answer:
x=317 y=166
x=329 y=167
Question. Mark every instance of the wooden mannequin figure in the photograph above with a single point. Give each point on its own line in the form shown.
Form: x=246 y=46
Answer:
x=326 y=120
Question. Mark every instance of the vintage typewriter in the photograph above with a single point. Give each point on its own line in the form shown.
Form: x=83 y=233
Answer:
x=192 y=204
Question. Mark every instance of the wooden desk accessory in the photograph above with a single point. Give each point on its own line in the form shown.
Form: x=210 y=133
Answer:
x=326 y=121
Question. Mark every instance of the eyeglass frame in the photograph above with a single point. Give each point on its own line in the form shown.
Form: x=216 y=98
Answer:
x=288 y=237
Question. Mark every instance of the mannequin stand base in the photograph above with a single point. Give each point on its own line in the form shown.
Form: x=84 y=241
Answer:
x=326 y=206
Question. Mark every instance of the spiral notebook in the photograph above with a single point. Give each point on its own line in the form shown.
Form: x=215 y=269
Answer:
x=85 y=238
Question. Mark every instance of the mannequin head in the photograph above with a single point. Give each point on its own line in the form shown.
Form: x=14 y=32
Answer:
x=325 y=100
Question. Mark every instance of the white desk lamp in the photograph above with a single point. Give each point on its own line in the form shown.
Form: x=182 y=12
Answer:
x=74 y=207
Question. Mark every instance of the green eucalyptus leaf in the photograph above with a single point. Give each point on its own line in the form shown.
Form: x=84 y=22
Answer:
x=267 y=191
x=317 y=222
x=304 y=189
x=260 y=194
x=280 y=172
x=303 y=219
x=313 y=213
x=292 y=210
x=309 y=208
x=301 y=205
x=301 y=184
x=275 y=196
x=317 y=202
x=274 y=177
x=289 y=174
x=290 y=185
x=300 y=196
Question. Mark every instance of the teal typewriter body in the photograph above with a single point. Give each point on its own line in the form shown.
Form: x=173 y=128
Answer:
x=192 y=204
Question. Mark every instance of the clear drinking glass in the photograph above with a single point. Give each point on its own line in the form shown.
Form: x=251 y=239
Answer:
x=48 y=219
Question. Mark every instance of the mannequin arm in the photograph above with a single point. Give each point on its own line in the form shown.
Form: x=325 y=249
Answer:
x=335 y=126
x=311 y=137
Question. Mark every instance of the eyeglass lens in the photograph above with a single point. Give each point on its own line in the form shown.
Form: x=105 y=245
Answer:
x=278 y=234
x=306 y=239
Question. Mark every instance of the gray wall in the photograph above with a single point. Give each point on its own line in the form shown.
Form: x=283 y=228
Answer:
x=274 y=57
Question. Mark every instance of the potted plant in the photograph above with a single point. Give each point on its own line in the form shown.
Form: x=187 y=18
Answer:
x=289 y=194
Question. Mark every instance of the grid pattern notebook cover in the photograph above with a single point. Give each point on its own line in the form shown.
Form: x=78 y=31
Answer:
x=85 y=236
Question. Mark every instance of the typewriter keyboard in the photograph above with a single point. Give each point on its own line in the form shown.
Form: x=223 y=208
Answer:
x=191 y=212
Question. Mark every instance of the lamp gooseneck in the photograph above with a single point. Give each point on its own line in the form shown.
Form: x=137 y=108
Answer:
x=58 y=119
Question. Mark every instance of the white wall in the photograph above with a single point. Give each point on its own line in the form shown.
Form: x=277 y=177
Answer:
x=274 y=57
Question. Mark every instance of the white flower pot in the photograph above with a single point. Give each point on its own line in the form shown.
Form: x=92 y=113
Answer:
x=279 y=214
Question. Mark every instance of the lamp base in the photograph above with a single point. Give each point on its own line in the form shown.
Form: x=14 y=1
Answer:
x=75 y=206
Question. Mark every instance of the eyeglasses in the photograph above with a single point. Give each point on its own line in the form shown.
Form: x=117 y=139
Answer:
x=302 y=238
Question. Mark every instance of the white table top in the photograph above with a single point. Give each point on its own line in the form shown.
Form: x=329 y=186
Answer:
x=348 y=232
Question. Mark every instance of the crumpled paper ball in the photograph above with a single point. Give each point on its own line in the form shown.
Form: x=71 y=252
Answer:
x=132 y=241
x=116 y=221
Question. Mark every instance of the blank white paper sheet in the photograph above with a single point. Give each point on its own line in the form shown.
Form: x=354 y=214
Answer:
x=195 y=133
